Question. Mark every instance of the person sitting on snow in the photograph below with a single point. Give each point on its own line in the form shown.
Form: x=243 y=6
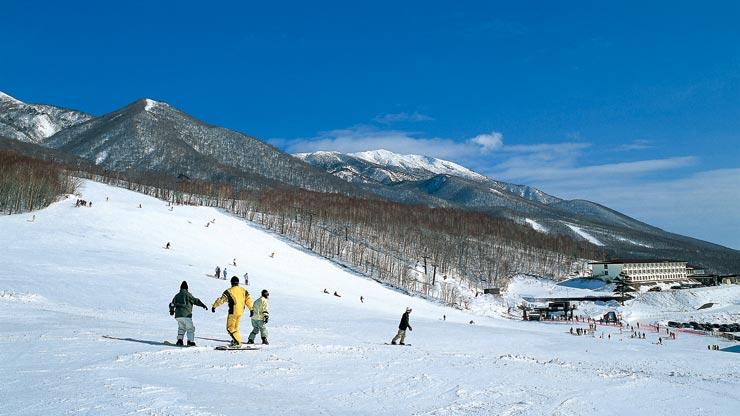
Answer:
x=181 y=308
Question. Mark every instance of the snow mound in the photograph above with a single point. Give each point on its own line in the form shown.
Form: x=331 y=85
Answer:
x=11 y=296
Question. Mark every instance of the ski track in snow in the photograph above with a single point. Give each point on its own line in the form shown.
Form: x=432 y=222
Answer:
x=83 y=313
x=535 y=225
x=591 y=239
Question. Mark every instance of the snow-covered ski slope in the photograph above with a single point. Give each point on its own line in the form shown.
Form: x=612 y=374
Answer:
x=83 y=313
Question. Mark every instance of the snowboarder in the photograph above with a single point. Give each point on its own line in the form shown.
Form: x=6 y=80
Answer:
x=234 y=262
x=337 y=294
x=224 y=273
x=444 y=317
x=246 y=279
x=238 y=299
x=167 y=246
x=139 y=205
x=181 y=308
x=272 y=255
x=326 y=291
x=402 y=327
x=260 y=314
x=218 y=272
x=362 y=300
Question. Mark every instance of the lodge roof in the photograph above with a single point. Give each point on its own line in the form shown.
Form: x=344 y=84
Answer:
x=632 y=261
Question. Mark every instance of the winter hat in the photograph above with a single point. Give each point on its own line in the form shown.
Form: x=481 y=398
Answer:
x=184 y=285
x=234 y=280
x=408 y=309
x=265 y=293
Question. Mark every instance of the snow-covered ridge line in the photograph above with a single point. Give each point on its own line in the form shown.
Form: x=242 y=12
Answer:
x=6 y=97
x=387 y=158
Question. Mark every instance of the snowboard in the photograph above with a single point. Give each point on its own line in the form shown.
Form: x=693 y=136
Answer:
x=242 y=348
x=398 y=345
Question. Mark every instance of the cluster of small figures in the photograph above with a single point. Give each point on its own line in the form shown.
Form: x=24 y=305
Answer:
x=83 y=203
x=339 y=296
x=581 y=331
x=713 y=347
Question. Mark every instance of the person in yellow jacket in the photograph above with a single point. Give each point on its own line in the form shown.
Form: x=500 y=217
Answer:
x=260 y=315
x=238 y=299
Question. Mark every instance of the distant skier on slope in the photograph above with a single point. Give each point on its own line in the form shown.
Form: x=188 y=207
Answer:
x=402 y=327
x=260 y=314
x=182 y=309
x=224 y=273
x=238 y=299
x=218 y=272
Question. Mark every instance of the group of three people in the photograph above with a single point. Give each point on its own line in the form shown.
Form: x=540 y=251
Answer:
x=238 y=299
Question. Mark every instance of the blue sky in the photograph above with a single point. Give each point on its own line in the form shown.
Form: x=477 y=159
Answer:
x=632 y=104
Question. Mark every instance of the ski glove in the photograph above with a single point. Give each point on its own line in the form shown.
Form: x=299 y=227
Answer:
x=205 y=307
x=213 y=310
x=251 y=314
x=266 y=316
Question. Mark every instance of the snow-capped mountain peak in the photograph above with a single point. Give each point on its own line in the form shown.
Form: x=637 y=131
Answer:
x=34 y=122
x=387 y=158
x=150 y=104
x=6 y=98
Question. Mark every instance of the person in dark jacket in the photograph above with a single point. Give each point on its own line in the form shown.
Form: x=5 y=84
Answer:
x=181 y=308
x=402 y=327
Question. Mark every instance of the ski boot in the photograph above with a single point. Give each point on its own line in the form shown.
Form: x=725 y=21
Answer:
x=250 y=341
x=191 y=344
x=179 y=343
x=401 y=343
x=264 y=341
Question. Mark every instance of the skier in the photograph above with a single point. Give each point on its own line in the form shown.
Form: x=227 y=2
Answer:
x=246 y=279
x=272 y=255
x=234 y=262
x=224 y=273
x=260 y=314
x=337 y=294
x=326 y=291
x=182 y=309
x=218 y=272
x=362 y=300
x=402 y=327
x=238 y=299
x=167 y=246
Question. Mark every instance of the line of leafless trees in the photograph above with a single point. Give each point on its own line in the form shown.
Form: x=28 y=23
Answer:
x=27 y=184
x=446 y=254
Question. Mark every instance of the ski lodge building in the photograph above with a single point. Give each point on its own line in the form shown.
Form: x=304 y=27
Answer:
x=640 y=271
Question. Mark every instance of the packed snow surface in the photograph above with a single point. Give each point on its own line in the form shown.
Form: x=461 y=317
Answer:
x=83 y=313
x=591 y=239
x=535 y=225
x=387 y=158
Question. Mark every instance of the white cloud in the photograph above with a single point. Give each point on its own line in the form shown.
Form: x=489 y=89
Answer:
x=402 y=116
x=635 y=145
x=363 y=137
x=489 y=141
x=705 y=204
